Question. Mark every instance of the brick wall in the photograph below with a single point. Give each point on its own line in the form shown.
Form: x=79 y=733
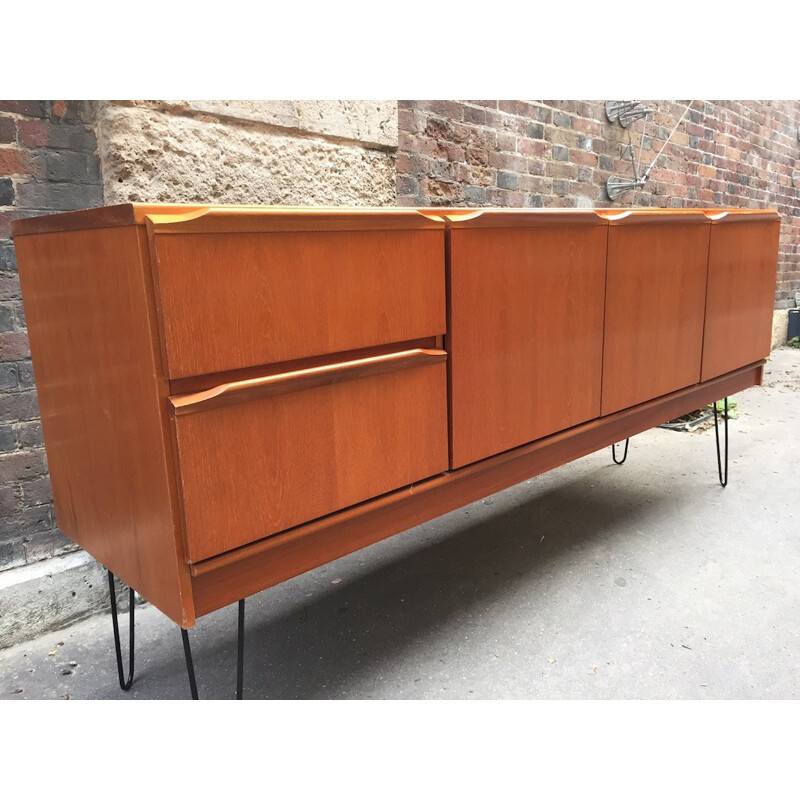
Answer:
x=560 y=154
x=48 y=163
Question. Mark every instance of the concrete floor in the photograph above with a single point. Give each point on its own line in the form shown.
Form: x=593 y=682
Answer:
x=646 y=580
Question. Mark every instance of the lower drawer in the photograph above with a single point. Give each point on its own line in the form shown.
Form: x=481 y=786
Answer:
x=260 y=456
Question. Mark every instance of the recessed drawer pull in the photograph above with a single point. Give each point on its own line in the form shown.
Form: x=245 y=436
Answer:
x=271 y=385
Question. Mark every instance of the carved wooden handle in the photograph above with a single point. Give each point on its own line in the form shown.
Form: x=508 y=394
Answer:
x=270 y=385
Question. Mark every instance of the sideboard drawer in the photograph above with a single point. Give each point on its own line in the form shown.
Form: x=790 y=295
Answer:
x=233 y=300
x=260 y=456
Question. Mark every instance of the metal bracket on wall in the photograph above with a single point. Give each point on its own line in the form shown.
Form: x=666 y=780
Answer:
x=627 y=111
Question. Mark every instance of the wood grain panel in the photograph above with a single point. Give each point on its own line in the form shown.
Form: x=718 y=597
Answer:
x=89 y=308
x=251 y=569
x=255 y=468
x=655 y=303
x=238 y=300
x=526 y=322
x=742 y=270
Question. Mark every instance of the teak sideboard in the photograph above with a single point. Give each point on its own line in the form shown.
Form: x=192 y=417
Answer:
x=231 y=396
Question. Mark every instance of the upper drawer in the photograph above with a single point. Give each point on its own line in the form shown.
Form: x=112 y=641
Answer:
x=239 y=290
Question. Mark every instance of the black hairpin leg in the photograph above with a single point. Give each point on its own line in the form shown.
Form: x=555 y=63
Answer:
x=187 y=650
x=124 y=684
x=722 y=479
x=624 y=454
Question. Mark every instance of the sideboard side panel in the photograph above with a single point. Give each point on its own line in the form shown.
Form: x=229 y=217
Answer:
x=102 y=394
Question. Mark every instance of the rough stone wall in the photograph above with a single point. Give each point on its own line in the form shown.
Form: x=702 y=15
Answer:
x=48 y=163
x=560 y=153
x=270 y=152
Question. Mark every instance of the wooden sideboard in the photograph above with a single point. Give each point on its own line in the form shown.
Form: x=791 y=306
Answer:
x=231 y=396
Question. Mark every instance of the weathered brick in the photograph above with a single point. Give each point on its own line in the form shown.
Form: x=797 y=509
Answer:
x=72 y=167
x=6 y=320
x=9 y=286
x=8 y=441
x=19 y=406
x=508 y=162
x=506 y=180
x=560 y=153
x=45 y=544
x=22 y=465
x=8 y=130
x=407 y=185
x=606 y=163
x=8 y=259
x=540 y=113
x=27 y=108
x=535 y=130
x=476 y=195
x=36 y=491
x=26 y=522
x=562 y=120
x=507 y=142
x=14 y=346
x=476 y=116
x=10 y=499
x=11 y=555
x=29 y=434
x=15 y=161
x=59 y=196
x=6 y=192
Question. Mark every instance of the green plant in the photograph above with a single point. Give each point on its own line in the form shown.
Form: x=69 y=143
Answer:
x=794 y=341
x=733 y=408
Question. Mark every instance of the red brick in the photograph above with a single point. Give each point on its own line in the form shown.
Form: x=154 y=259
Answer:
x=583 y=157
x=531 y=147
x=14 y=161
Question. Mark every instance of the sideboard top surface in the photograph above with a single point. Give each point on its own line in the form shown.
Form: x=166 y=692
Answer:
x=187 y=218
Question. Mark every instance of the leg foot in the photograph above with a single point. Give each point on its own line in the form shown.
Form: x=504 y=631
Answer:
x=624 y=454
x=723 y=477
x=124 y=683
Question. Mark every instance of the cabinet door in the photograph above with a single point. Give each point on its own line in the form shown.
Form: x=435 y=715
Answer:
x=655 y=301
x=526 y=319
x=742 y=266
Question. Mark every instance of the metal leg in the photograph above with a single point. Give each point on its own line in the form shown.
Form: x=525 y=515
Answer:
x=187 y=650
x=123 y=683
x=240 y=654
x=624 y=455
x=722 y=479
